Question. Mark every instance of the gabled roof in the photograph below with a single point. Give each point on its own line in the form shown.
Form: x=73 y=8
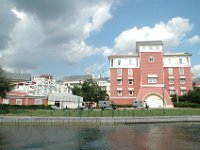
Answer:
x=177 y=54
x=124 y=55
x=16 y=76
x=77 y=77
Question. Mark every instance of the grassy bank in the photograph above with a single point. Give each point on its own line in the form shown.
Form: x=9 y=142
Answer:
x=105 y=113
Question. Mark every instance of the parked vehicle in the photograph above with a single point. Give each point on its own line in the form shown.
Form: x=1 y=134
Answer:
x=137 y=104
x=106 y=105
x=89 y=105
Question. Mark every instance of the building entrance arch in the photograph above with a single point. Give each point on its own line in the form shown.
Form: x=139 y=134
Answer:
x=154 y=101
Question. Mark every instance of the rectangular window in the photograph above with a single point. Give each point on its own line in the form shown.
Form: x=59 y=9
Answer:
x=152 y=79
x=170 y=71
x=18 y=101
x=119 y=81
x=119 y=72
x=171 y=92
x=180 y=60
x=130 y=72
x=130 y=81
x=169 y=60
x=182 y=80
x=181 y=71
x=111 y=62
x=130 y=61
x=119 y=62
x=171 y=81
x=130 y=93
x=183 y=91
x=38 y=101
x=119 y=93
x=5 y=101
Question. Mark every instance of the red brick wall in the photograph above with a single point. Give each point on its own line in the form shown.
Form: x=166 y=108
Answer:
x=188 y=79
x=125 y=98
x=155 y=67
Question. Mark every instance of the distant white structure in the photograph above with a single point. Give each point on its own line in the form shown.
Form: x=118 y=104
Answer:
x=104 y=83
x=65 y=100
x=76 y=80
x=42 y=86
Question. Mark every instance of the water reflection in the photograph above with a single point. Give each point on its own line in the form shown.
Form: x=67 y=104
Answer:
x=124 y=137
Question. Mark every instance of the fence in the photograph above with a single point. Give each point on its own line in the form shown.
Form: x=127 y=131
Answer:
x=125 y=112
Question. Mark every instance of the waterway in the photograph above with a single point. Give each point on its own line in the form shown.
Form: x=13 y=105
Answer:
x=159 y=136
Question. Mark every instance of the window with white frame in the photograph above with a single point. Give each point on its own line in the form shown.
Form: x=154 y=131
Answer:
x=170 y=71
x=183 y=91
x=182 y=80
x=119 y=81
x=171 y=91
x=18 y=101
x=111 y=62
x=169 y=60
x=130 y=72
x=119 y=72
x=152 y=79
x=150 y=47
x=130 y=91
x=130 y=62
x=119 y=91
x=180 y=60
x=5 y=101
x=38 y=101
x=130 y=81
x=181 y=71
x=171 y=81
x=119 y=62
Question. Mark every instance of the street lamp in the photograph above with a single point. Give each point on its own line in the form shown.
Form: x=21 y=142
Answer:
x=163 y=99
x=177 y=100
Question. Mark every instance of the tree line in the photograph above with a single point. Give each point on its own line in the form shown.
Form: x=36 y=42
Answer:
x=90 y=91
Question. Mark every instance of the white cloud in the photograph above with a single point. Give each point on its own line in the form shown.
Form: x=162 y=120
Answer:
x=24 y=48
x=52 y=33
x=172 y=33
x=196 y=70
x=94 y=68
x=194 y=40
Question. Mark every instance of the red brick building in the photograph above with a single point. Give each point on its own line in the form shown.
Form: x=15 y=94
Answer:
x=21 y=98
x=149 y=75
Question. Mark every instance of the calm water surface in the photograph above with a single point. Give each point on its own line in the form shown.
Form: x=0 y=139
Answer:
x=171 y=136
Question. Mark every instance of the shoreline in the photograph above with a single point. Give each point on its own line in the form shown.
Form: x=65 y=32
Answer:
x=95 y=120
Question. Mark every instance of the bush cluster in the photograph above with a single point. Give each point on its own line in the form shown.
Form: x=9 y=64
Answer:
x=187 y=105
x=4 y=108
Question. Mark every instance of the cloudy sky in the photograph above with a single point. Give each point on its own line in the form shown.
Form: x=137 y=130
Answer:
x=73 y=37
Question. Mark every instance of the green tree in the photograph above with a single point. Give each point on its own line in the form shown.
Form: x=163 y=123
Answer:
x=5 y=86
x=90 y=91
x=192 y=96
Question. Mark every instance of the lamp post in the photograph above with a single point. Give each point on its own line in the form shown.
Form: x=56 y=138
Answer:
x=163 y=99
x=177 y=100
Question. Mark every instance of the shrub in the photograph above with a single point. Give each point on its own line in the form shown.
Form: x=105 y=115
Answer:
x=4 y=109
x=187 y=105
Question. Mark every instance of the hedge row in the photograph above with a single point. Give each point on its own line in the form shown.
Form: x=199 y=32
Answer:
x=186 y=105
x=4 y=108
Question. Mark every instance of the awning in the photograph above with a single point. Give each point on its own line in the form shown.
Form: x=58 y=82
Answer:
x=171 y=88
x=130 y=77
x=182 y=77
x=183 y=88
x=152 y=75
x=119 y=89
x=171 y=77
x=130 y=89
x=119 y=78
